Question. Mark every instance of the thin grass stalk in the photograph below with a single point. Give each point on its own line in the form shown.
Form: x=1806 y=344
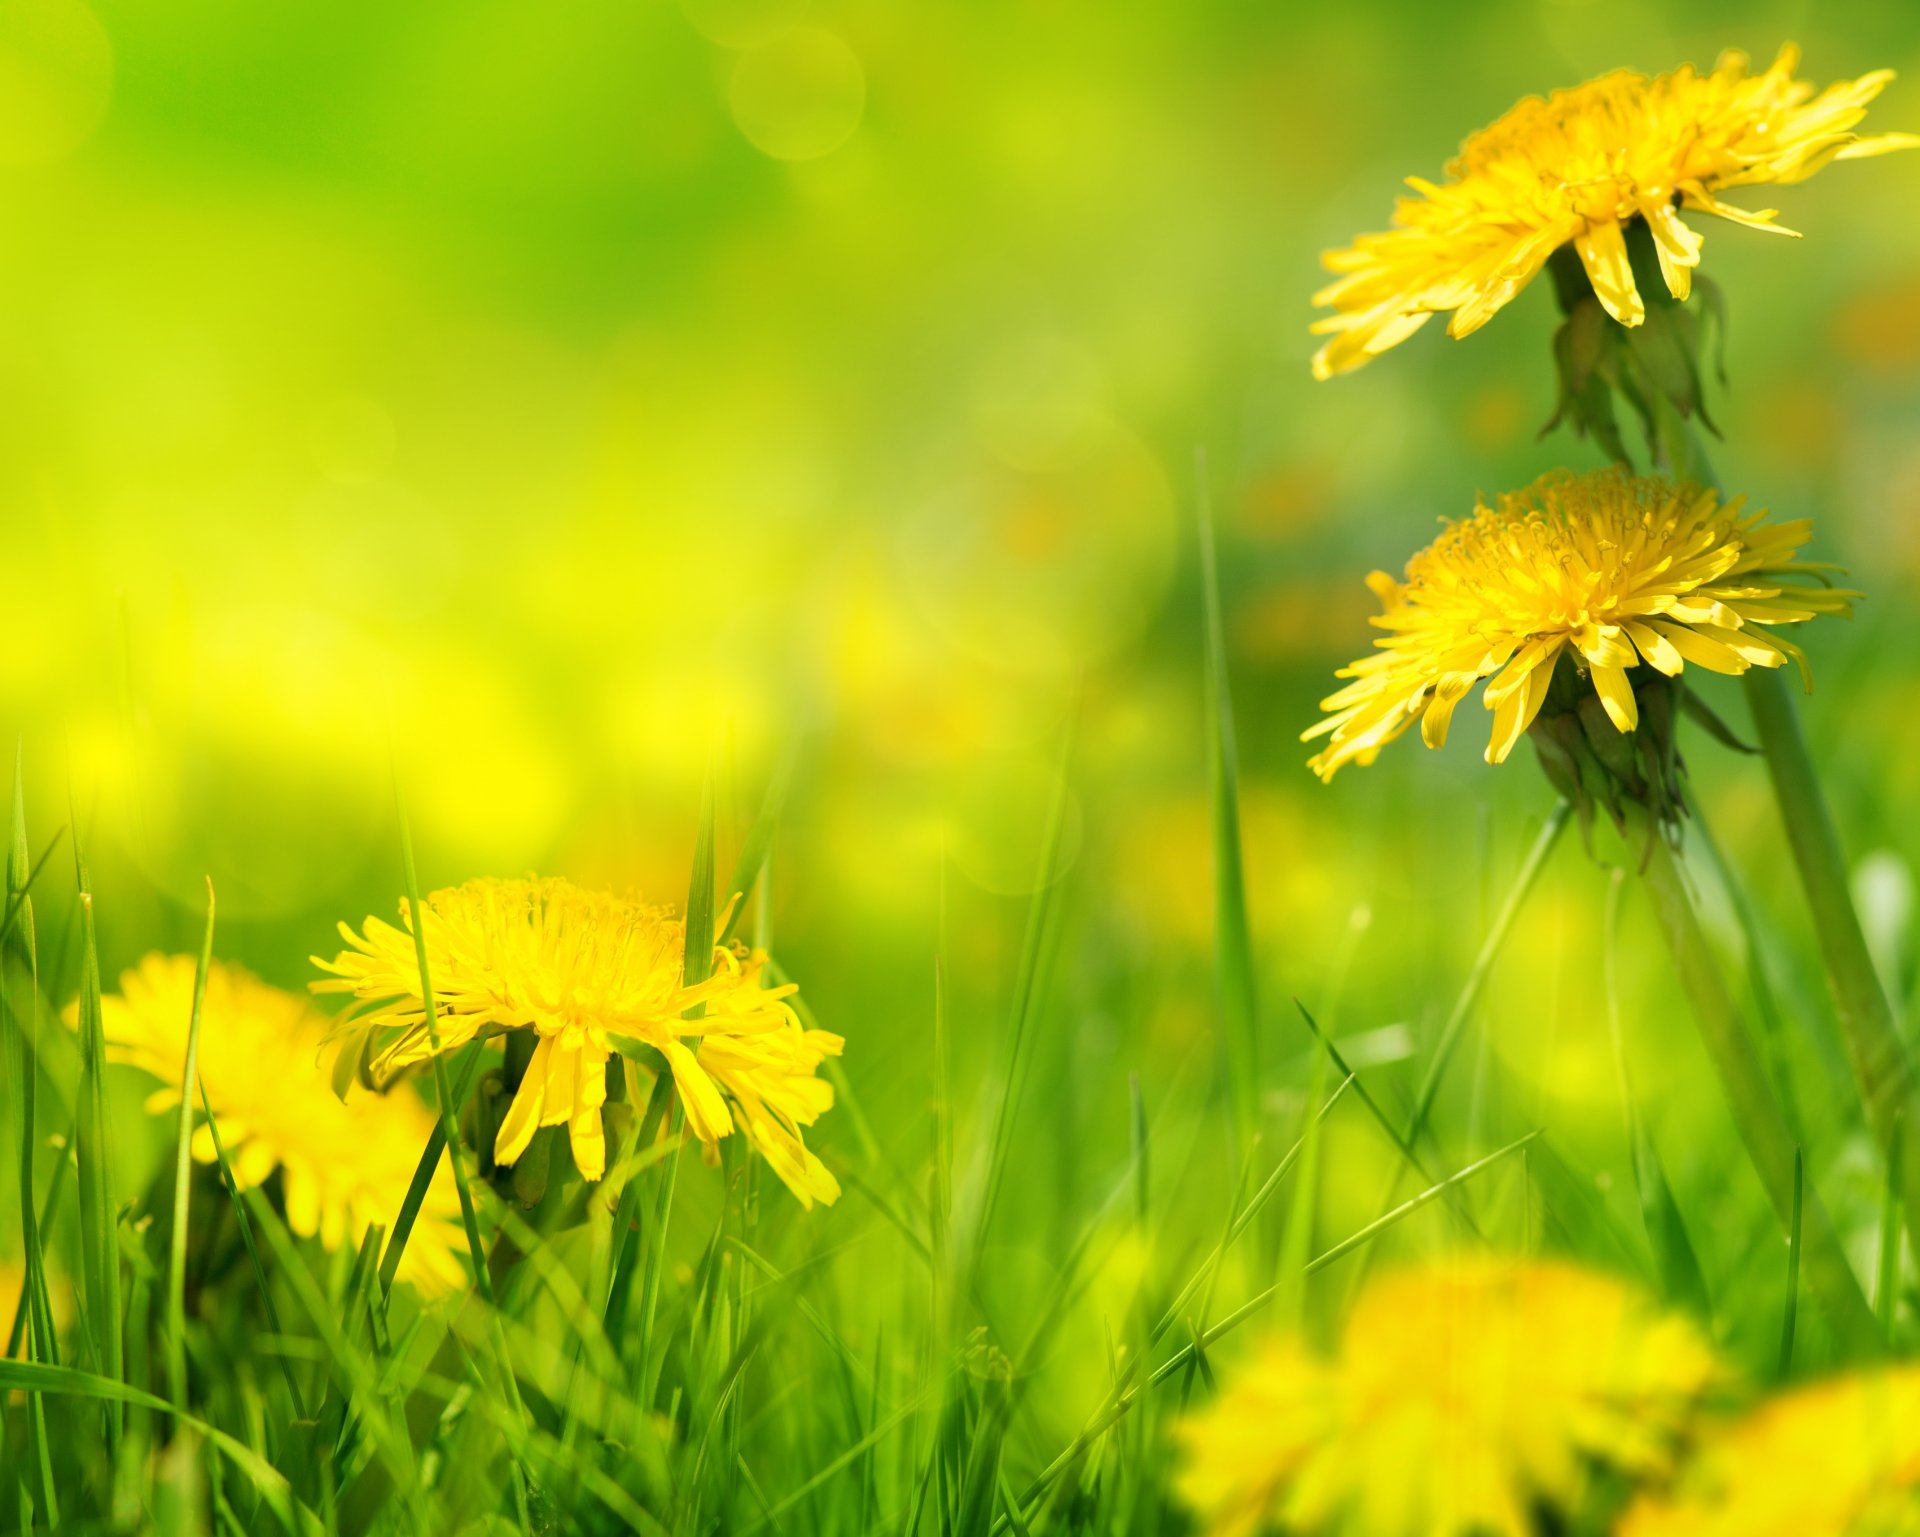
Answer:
x=1444 y=1046
x=467 y=1071
x=1235 y=983
x=1490 y=947
x=450 y=1129
x=99 y=1218
x=1026 y=989
x=227 y=1178
x=183 y=1175
x=35 y=1313
x=1757 y=1116
x=1886 y=1293
x=38 y=1377
x=1790 y=1311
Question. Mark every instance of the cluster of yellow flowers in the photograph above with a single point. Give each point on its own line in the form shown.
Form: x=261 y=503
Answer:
x=1468 y=1398
x=587 y=973
x=1607 y=570
x=1487 y=1396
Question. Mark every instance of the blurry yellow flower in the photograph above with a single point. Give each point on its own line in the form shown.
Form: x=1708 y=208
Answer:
x=1605 y=568
x=1578 y=168
x=1839 y=1459
x=1462 y=1396
x=584 y=969
x=343 y=1166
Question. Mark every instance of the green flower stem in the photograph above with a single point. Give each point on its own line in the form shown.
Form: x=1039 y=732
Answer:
x=1882 y=1067
x=1880 y=1059
x=1756 y=1111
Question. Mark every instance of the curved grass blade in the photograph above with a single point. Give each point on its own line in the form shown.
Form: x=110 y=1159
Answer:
x=37 y=1377
x=34 y=1315
x=450 y=1129
x=1790 y=1312
x=1234 y=979
x=182 y=1176
x=1026 y=990
x=99 y=1220
x=759 y=839
x=245 y=1224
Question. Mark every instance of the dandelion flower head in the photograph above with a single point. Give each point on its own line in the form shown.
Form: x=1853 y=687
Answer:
x=1461 y=1397
x=343 y=1165
x=1578 y=169
x=1607 y=570
x=585 y=970
x=1838 y=1459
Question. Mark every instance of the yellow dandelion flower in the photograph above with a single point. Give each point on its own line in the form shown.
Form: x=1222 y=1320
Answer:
x=1577 y=170
x=1606 y=569
x=583 y=969
x=1837 y=1459
x=343 y=1165
x=1461 y=1397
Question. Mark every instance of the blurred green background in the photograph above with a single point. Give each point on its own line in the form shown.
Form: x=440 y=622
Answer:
x=558 y=399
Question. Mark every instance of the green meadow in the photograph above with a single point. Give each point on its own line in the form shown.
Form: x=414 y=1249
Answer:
x=850 y=478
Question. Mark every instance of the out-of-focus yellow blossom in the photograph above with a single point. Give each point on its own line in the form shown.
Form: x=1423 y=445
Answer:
x=344 y=1165
x=1462 y=1396
x=1608 y=568
x=1838 y=1459
x=1577 y=169
x=582 y=969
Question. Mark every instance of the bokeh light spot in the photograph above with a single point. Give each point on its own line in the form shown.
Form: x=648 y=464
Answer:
x=56 y=78
x=799 y=95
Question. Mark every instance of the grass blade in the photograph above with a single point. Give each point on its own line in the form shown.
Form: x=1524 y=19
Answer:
x=759 y=839
x=1234 y=979
x=99 y=1219
x=1026 y=988
x=182 y=1176
x=450 y=1131
x=1887 y=1290
x=35 y=1313
x=1790 y=1312
x=1490 y=948
x=36 y=1377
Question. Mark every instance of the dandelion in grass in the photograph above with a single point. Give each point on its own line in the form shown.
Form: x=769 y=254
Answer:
x=1463 y=1397
x=1607 y=575
x=1837 y=1459
x=586 y=972
x=1577 y=170
x=343 y=1166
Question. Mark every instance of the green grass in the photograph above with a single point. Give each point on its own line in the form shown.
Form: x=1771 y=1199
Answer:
x=825 y=540
x=682 y=1350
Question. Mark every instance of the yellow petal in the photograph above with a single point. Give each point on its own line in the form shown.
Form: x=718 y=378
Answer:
x=1515 y=712
x=1698 y=649
x=706 y=1111
x=586 y=1130
x=1678 y=245
x=523 y=1116
x=1603 y=252
x=1659 y=652
x=1616 y=696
